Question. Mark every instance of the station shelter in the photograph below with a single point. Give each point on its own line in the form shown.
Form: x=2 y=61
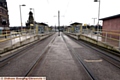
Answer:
x=76 y=27
x=42 y=28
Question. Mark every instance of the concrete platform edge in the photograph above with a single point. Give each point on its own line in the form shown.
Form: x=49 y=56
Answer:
x=93 y=41
x=22 y=44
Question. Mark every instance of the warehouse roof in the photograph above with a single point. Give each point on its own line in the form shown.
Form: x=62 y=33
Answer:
x=110 y=17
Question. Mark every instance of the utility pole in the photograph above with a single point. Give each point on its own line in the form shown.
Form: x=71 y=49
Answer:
x=98 y=13
x=59 y=23
x=98 y=16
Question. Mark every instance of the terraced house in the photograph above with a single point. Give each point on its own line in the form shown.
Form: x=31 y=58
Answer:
x=4 y=17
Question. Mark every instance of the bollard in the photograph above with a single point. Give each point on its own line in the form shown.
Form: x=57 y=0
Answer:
x=106 y=38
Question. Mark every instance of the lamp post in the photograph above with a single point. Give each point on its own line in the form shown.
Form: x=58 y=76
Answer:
x=98 y=12
x=59 y=22
x=21 y=14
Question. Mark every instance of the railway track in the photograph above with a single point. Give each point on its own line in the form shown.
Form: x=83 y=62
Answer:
x=8 y=59
x=79 y=59
x=40 y=58
x=45 y=50
x=17 y=53
x=105 y=55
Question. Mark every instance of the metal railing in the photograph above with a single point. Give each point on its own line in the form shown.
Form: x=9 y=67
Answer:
x=108 y=37
x=14 y=37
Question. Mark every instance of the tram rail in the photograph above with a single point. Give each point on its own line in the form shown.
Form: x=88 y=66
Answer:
x=78 y=58
x=112 y=57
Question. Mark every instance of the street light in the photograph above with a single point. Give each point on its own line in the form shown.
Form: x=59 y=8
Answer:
x=21 y=14
x=98 y=11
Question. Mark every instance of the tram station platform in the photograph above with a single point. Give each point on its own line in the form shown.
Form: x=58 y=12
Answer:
x=59 y=62
x=13 y=42
x=61 y=58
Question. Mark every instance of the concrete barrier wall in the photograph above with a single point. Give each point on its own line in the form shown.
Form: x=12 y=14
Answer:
x=25 y=42
x=93 y=41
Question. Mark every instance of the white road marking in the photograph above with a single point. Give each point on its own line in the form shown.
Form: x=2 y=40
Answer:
x=99 y=60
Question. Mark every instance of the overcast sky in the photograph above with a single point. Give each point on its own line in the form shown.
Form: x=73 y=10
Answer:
x=70 y=10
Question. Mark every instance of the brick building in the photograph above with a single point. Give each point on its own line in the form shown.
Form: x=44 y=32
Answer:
x=111 y=25
x=4 y=17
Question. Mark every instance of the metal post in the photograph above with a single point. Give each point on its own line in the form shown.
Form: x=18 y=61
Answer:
x=98 y=15
x=20 y=16
x=59 y=22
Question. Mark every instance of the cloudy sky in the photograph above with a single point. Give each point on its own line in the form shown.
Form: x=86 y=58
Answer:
x=70 y=11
